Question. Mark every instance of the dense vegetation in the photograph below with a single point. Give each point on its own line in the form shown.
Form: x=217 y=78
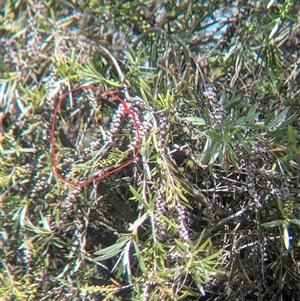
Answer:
x=207 y=205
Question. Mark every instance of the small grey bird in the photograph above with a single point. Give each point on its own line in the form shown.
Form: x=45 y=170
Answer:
x=88 y=138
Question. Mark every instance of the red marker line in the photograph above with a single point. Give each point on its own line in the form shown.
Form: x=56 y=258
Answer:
x=126 y=111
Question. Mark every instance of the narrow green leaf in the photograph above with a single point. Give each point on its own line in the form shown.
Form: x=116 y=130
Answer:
x=287 y=158
x=280 y=206
x=108 y=255
x=75 y=266
x=196 y=245
x=214 y=136
x=274 y=223
x=292 y=136
x=207 y=115
x=212 y=256
x=129 y=57
x=256 y=126
x=215 y=153
x=46 y=225
x=22 y=215
x=198 y=283
x=66 y=268
x=59 y=243
x=195 y=120
x=110 y=251
x=126 y=260
x=179 y=271
x=288 y=121
x=236 y=101
x=244 y=144
x=251 y=117
x=144 y=86
x=139 y=257
x=205 y=157
x=213 y=158
x=65 y=3
x=81 y=166
x=180 y=245
x=295 y=221
x=118 y=245
x=204 y=245
x=274 y=30
x=28 y=242
x=223 y=96
x=230 y=52
x=251 y=111
x=279 y=118
x=269 y=118
x=120 y=271
x=269 y=5
x=286 y=237
x=137 y=196
x=138 y=222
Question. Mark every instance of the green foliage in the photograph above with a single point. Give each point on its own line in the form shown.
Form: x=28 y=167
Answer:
x=212 y=201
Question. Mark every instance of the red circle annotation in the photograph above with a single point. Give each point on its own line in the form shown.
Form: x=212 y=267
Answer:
x=126 y=111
